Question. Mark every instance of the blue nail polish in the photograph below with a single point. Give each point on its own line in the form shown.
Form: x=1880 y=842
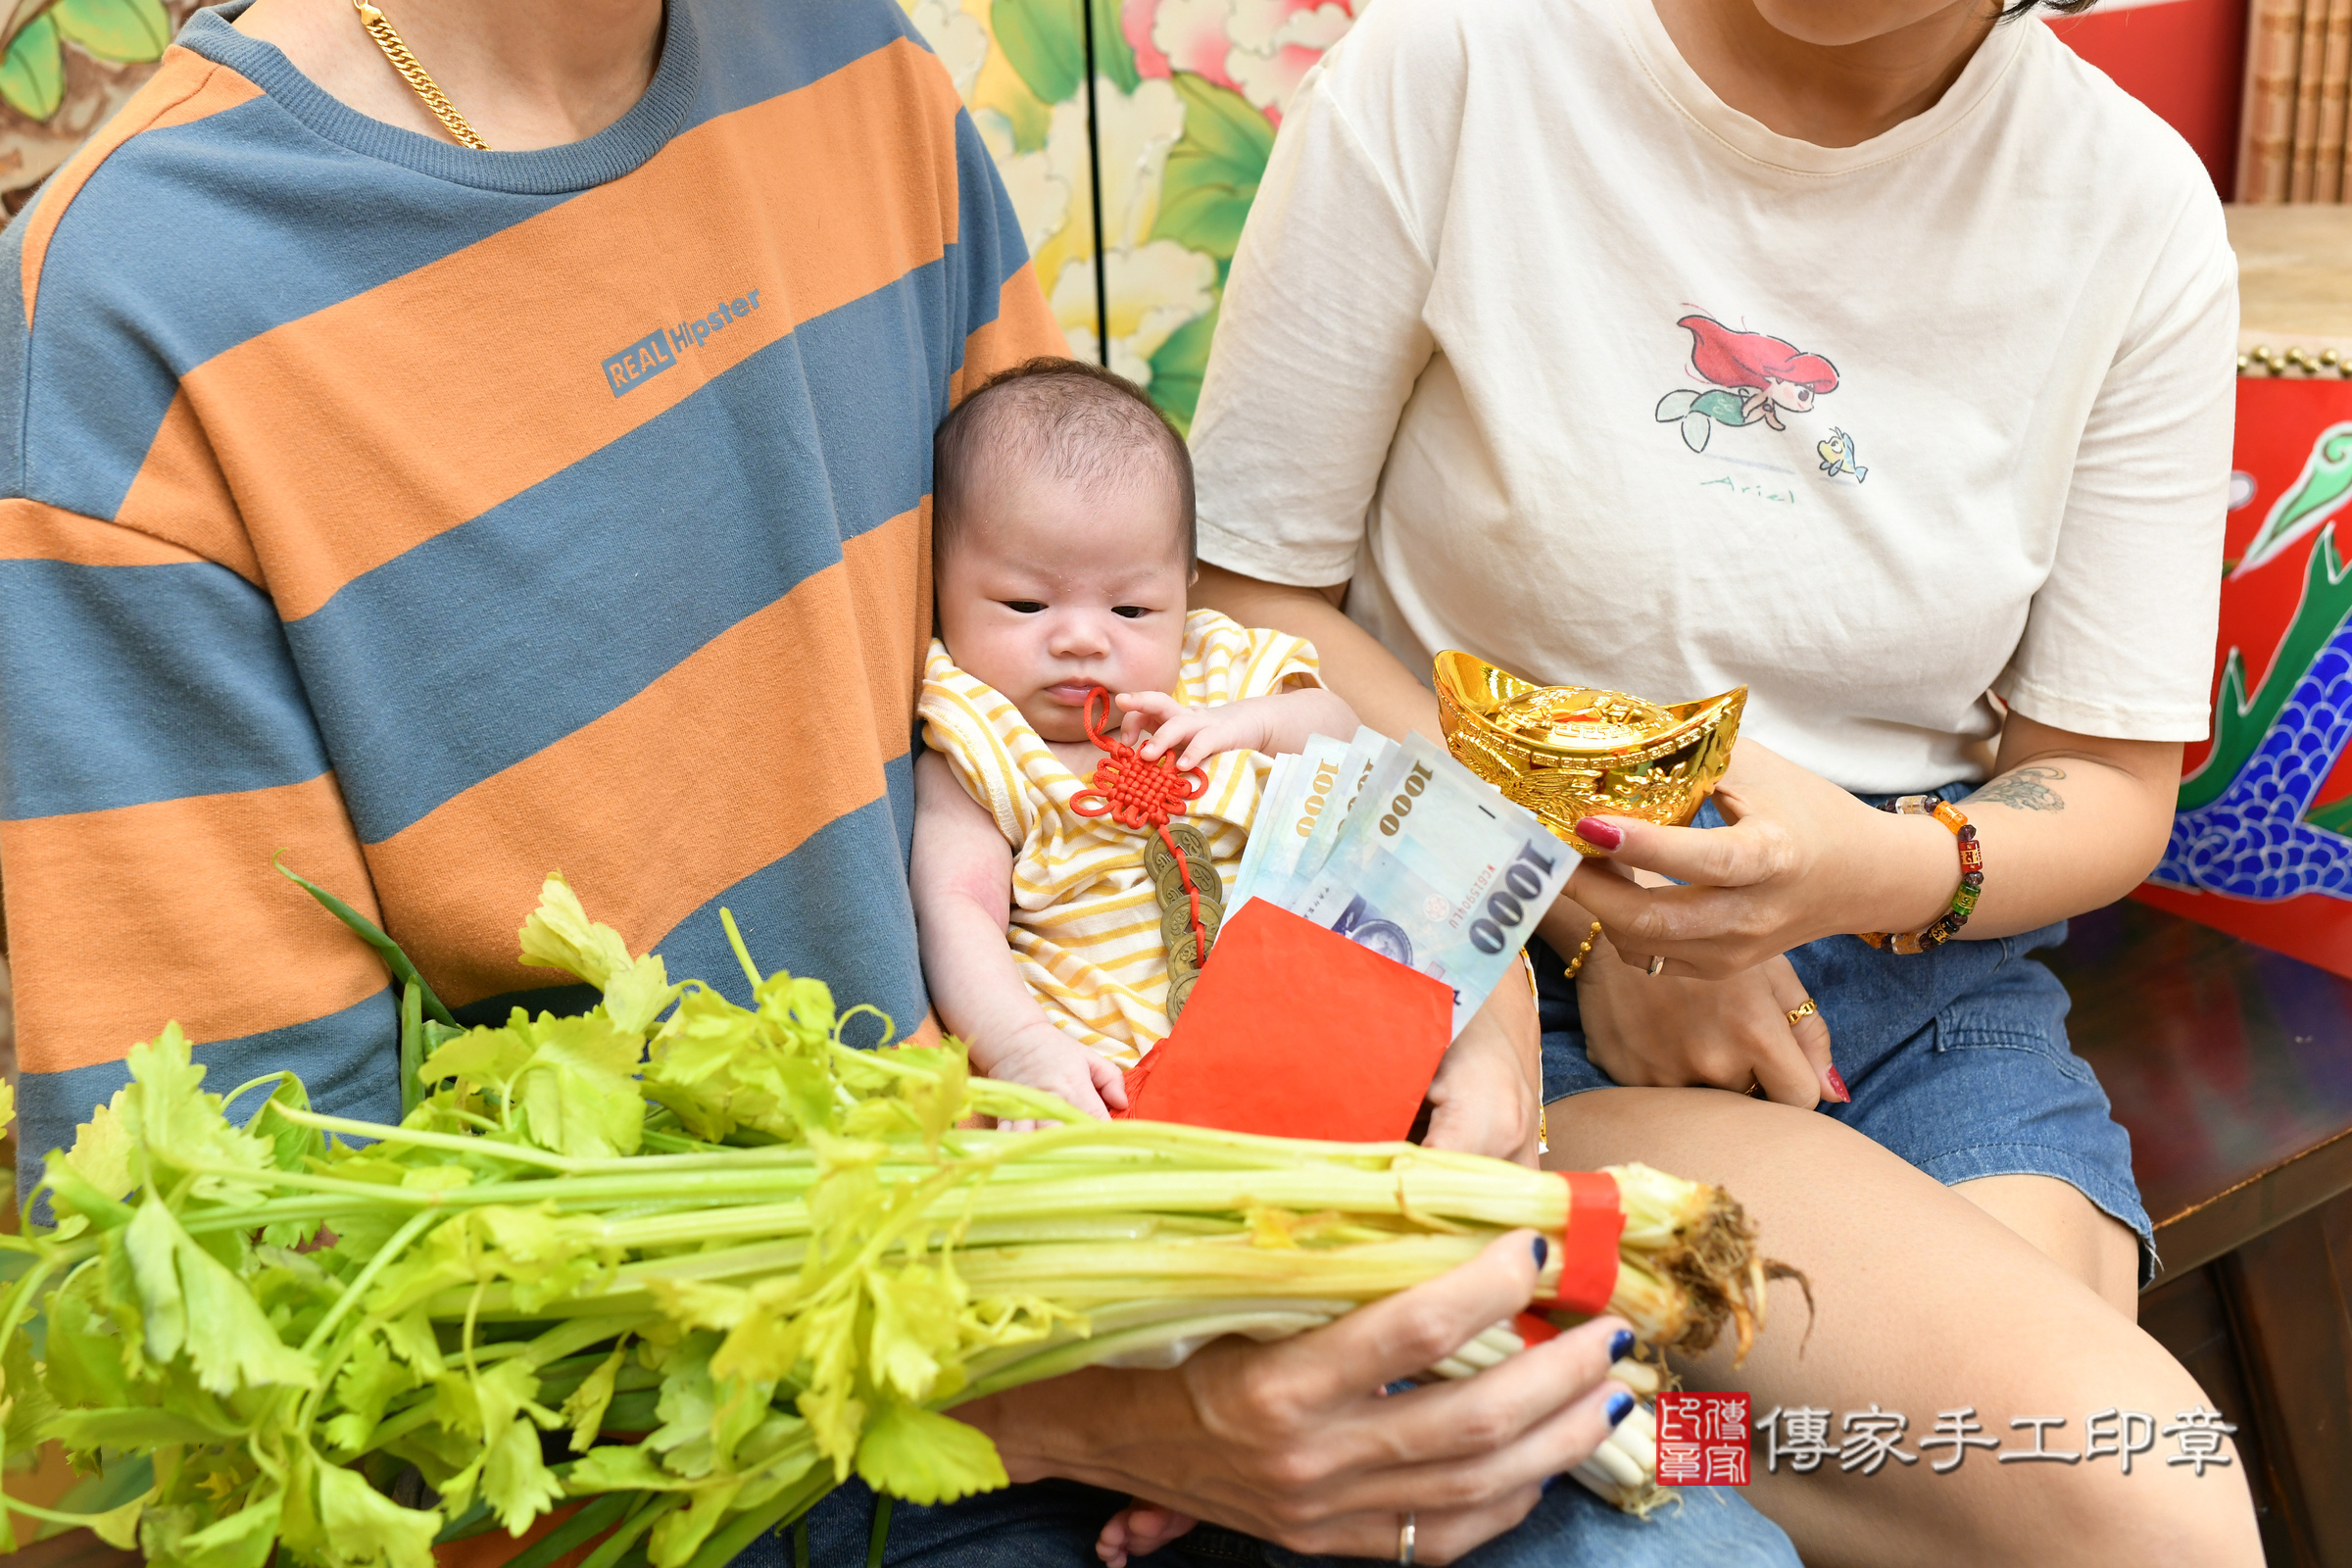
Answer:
x=1543 y=1251
x=1621 y=1406
x=1400 y=1386
x=1619 y=1343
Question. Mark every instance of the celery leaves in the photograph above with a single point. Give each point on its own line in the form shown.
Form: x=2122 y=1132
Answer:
x=732 y=1258
x=925 y=1457
x=189 y=1301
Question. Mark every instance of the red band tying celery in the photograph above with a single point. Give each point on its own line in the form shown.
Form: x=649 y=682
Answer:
x=1589 y=1249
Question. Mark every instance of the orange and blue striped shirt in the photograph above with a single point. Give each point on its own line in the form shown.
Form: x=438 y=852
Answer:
x=445 y=517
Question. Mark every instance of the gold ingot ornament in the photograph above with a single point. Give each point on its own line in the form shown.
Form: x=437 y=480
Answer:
x=1566 y=752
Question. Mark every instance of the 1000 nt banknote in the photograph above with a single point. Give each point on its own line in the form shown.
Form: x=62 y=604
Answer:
x=1433 y=868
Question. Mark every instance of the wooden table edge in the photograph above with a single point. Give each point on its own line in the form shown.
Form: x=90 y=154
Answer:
x=2206 y=1230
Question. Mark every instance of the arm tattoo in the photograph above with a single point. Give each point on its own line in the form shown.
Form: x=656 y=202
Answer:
x=2027 y=789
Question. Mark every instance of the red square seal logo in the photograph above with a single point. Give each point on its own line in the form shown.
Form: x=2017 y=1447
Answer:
x=1703 y=1439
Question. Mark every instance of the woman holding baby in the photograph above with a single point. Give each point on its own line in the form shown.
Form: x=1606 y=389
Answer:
x=1544 y=368
x=1876 y=355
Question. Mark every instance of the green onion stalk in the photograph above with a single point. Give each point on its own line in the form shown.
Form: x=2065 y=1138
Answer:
x=686 y=1266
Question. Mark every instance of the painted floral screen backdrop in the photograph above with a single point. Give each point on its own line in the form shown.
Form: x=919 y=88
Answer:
x=64 y=66
x=1186 y=98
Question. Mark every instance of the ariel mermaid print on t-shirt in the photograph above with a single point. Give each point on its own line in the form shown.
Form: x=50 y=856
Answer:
x=1757 y=378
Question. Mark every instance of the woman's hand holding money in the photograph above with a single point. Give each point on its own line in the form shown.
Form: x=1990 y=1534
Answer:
x=1488 y=1088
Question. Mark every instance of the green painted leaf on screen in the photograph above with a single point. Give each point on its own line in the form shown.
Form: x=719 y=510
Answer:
x=116 y=30
x=1213 y=170
x=32 y=79
x=1042 y=40
x=2314 y=498
x=1114 y=57
x=2240 y=722
x=1177 y=368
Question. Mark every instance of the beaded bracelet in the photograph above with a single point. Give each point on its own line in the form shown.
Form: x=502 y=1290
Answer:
x=1964 y=899
x=1583 y=950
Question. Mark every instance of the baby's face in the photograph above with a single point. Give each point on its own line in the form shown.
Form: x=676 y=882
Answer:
x=1049 y=592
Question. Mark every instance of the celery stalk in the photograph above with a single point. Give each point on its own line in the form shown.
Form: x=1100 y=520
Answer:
x=735 y=1259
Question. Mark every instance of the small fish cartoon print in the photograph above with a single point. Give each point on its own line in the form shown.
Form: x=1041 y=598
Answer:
x=1755 y=376
x=1837 y=457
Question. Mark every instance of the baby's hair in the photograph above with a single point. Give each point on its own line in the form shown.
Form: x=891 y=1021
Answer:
x=1073 y=422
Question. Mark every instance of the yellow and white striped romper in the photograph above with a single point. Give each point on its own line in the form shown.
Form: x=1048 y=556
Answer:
x=1085 y=928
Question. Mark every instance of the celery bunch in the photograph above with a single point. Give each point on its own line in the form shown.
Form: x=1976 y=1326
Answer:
x=694 y=1262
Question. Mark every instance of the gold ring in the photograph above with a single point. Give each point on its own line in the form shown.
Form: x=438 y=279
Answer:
x=1657 y=962
x=1404 y=1542
x=1799 y=1015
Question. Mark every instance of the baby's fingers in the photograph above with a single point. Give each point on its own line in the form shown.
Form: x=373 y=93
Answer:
x=1170 y=733
x=1081 y=1096
x=1208 y=734
x=1206 y=741
x=1109 y=1083
x=1157 y=708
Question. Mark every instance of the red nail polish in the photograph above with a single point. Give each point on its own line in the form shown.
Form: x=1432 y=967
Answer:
x=1600 y=835
x=1837 y=1081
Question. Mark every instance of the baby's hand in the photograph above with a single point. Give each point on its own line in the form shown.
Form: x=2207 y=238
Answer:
x=1196 y=734
x=1042 y=1057
x=1138 y=1531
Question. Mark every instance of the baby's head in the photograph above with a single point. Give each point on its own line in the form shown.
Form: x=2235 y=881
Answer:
x=1062 y=519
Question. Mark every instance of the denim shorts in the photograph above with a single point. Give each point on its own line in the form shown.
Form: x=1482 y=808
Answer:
x=1053 y=1524
x=1957 y=1059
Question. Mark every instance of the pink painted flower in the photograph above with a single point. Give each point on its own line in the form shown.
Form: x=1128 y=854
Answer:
x=1193 y=34
x=1135 y=26
x=1258 y=48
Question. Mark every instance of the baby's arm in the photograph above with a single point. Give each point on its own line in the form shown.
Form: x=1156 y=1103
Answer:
x=962 y=885
x=1276 y=724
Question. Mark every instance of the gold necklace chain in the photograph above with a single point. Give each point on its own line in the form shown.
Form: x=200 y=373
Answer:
x=417 y=76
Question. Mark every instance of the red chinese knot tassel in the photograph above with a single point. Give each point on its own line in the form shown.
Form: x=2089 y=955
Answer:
x=1136 y=794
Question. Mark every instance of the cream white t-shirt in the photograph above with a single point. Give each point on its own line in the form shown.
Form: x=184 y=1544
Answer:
x=1568 y=363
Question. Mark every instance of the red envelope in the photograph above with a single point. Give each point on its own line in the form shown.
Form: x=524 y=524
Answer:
x=1298 y=1033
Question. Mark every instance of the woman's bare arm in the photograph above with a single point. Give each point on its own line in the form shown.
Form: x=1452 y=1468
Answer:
x=2077 y=820
x=2069 y=823
x=1383 y=692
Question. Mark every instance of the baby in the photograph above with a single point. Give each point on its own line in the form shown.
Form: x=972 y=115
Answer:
x=1063 y=541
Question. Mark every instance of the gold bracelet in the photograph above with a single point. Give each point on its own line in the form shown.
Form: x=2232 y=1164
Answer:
x=1583 y=951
